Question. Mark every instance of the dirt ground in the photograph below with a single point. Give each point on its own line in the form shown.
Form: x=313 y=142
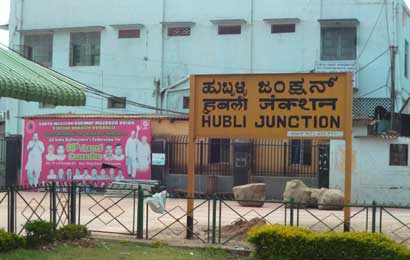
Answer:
x=109 y=215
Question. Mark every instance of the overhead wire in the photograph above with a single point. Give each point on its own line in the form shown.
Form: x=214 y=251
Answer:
x=372 y=91
x=100 y=92
x=378 y=88
x=106 y=95
x=371 y=32
x=372 y=61
x=101 y=109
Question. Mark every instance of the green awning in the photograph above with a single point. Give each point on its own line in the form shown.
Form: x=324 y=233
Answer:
x=26 y=80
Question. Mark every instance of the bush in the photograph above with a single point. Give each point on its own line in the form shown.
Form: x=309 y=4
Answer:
x=39 y=233
x=72 y=232
x=272 y=241
x=10 y=241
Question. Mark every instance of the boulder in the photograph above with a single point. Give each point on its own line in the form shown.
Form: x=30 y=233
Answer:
x=250 y=195
x=314 y=197
x=330 y=199
x=297 y=190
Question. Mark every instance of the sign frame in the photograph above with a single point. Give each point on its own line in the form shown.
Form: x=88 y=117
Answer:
x=193 y=135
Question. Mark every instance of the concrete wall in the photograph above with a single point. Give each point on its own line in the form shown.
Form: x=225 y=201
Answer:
x=373 y=178
x=130 y=67
x=224 y=184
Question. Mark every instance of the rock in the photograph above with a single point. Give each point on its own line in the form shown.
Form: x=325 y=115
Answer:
x=314 y=197
x=297 y=190
x=250 y=195
x=325 y=199
x=330 y=199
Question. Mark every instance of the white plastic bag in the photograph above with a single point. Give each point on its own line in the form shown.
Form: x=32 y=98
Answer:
x=157 y=202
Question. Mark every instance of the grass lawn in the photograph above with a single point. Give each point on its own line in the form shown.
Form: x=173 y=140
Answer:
x=116 y=250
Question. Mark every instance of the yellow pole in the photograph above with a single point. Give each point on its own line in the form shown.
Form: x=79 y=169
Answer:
x=191 y=187
x=348 y=153
x=191 y=163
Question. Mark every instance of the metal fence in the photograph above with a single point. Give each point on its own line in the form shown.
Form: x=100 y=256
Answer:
x=269 y=157
x=216 y=219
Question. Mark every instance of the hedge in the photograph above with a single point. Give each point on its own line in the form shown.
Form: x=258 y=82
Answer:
x=39 y=232
x=275 y=241
x=72 y=232
x=10 y=241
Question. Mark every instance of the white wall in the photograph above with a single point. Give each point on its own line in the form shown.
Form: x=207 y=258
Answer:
x=130 y=67
x=373 y=179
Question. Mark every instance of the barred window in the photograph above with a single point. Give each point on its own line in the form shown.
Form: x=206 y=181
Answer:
x=117 y=102
x=185 y=103
x=338 y=43
x=283 y=28
x=229 y=29
x=39 y=48
x=179 y=31
x=85 y=49
x=129 y=33
x=399 y=154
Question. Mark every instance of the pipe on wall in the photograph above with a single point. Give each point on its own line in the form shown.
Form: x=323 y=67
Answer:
x=162 y=81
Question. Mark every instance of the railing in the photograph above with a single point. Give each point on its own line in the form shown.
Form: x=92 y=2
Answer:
x=269 y=157
x=217 y=219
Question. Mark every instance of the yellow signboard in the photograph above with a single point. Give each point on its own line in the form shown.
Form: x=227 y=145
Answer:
x=308 y=105
x=286 y=106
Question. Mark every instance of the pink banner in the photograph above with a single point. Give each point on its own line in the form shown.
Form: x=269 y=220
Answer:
x=95 y=152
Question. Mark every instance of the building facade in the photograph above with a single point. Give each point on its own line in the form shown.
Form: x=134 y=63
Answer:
x=144 y=51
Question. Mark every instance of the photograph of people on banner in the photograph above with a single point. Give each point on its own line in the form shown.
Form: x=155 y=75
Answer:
x=92 y=152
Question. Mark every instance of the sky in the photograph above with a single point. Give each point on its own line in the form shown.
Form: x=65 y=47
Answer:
x=4 y=17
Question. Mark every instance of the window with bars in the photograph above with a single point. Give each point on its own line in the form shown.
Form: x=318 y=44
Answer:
x=301 y=152
x=39 y=48
x=219 y=150
x=179 y=31
x=283 y=28
x=406 y=58
x=185 y=103
x=399 y=154
x=129 y=33
x=85 y=49
x=229 y=29
x=117 y=102
x=338 y=43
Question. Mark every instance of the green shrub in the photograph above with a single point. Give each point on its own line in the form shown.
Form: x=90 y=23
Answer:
x=72 y=232
x=272 y=241
x=39 y=233
x=10 y=241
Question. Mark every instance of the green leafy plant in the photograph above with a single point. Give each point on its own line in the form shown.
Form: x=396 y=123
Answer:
x=72 y=232
x=39 y=233
x=10 y=241
x=275 y=241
